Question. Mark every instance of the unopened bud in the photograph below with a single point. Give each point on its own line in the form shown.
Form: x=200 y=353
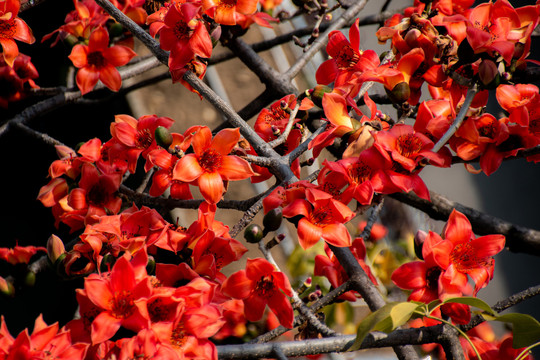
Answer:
x=116 y=30
x=419 y=239
x=151 y=265
x=163 y=137
x=107 y=263
x=30 y=279
x=55 y=248
x=215 y=36
x=6 y=288
x=400 y=93
x=272 y=220
x=317 y=94
x=488 y=72
x=411 y=38
x=253 y=233
x=315 y=33
x=328 y=17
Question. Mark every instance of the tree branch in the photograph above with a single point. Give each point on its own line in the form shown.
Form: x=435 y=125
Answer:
x=518 y=238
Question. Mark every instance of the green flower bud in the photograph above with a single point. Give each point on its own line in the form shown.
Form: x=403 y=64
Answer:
x=163 y=137
x=272 y=220
x=253 y=233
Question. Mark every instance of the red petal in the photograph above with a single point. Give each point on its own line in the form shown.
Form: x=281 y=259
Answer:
x=87 y=78
x=99 y=40
x=281 y=306
x=235 y=168
x=458 y=228
x=337 y=235
x=256 y=268
x=211 y=186
x=187 y=169
x=110 y=77
x=104 y=327
x=410 y=275
x=225 y=140
x=118 y=55
x=308 y=233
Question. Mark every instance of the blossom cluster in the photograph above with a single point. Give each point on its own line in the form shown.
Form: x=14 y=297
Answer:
x=163 y=282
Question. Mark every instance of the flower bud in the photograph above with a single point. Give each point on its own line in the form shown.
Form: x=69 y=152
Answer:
x=253 y=233
x=151 y=265
x=400 y=93
x=163 y=137
x=272 y=220
x=30 y=279
x=215 y=36
x=419 y=239
x=116 y=30
x=6 y=288
x=411 y=38
x=55 y=248
x=317 y=94
x=107 y=263
x=489 y=74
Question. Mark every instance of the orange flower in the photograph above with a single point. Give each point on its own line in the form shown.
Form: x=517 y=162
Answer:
x=97 y=61
x=121 y=297
x=260 y=285
x=12 y=28
x=210 y=163
x=224 y=11
x=323 y=217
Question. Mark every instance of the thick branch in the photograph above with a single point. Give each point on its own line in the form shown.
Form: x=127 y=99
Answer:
x=518 y=238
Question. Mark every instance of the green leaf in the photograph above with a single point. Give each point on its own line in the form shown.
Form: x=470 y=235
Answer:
x=526 y=329
x=471 y=301
x=386 y=319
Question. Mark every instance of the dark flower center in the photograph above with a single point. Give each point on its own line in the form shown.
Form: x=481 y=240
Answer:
x=210 y=160
x=96 y=59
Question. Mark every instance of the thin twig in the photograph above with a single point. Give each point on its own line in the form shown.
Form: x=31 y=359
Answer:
x=518 y=238
x=458 y=120
x=283 y=137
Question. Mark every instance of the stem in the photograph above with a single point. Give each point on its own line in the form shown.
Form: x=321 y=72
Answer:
x=526 y=351
x=459 y=331
x=458 y=120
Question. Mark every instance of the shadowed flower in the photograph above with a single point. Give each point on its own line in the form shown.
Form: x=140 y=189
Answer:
x=97 y=61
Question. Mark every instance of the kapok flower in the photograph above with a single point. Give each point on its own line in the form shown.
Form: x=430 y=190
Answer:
x=224 y=11
x=122 y=300
x=12 y=28
x=323 y=217
x=210 y=163
x=408 y=147
x=183 y=34
x=260 y=285
x=97 y=61
x=19 y=254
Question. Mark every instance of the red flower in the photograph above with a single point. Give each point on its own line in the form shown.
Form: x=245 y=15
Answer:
x=19 y=254
x=408 y=147
x=136 y=137
x=12 y=28
x=183 y=34
x=225 y=11
x=121 y=297
x=210 y=163
x=260 y=285
x=97 y=61
x=323 y=217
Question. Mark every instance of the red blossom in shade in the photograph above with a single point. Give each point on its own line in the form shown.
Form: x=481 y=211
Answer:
x=12 y=28
x=19 y=254
x=97 y=61
x=521 y=101
x=225 y=11
x=210 y=163
x=135 y=137
x=121 y=297
x=79 y=23
x=16 y=80
x=260 y=285
x=183 y=33
x=322 y=217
